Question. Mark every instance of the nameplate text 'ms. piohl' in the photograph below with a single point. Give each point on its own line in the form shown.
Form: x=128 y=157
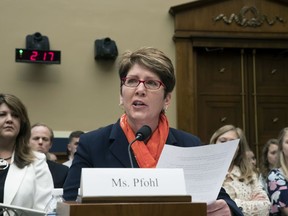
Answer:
x=99 y=182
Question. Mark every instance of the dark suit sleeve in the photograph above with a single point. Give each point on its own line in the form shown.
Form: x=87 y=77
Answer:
x=81 y=160
x=59 y=173
x=236 y=211
x=92 y=148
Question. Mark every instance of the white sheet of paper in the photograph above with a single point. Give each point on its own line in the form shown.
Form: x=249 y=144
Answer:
x=22 y=211
x=205 y=167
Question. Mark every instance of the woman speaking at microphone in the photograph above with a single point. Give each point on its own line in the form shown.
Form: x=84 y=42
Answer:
x=146 y=83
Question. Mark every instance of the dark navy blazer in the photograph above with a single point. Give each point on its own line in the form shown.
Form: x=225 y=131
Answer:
x=59 y=173
x=107 y=147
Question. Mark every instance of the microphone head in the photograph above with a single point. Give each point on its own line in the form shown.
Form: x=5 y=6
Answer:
x=143 y=133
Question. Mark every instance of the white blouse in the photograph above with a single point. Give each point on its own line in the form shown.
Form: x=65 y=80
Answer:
x=251 y=198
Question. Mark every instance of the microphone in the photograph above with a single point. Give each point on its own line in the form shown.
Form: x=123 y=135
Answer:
x=143 y=133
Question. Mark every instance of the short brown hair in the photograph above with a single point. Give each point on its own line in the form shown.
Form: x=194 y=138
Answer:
x=152 y=59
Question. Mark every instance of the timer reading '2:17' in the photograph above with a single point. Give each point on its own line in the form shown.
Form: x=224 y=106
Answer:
x=38 y=56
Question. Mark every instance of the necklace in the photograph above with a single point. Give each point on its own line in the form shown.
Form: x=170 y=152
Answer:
x=4 y=163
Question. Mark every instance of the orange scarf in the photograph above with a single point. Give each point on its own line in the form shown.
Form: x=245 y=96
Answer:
x=147 y=155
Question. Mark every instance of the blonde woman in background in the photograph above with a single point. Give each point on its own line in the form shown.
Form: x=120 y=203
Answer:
x=241 y=182
x=269 y=160
x=278 y=178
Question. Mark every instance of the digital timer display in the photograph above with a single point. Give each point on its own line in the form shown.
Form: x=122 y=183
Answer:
x=38 y=56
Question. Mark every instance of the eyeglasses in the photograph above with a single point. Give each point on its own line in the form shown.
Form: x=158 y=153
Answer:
x=149 y=84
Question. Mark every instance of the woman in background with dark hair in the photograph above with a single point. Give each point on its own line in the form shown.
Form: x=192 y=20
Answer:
x=278 y=178
x=269 y=160
x=25 y=179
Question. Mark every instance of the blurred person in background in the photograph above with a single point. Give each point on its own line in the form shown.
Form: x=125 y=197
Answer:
x=268 y=160
x=251 y=157
x=41 y=140
x=278 y=178
x=72 y=146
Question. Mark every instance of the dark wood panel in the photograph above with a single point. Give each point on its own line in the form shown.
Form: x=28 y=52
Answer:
x=269 y=117
x=216 y=111
x=131 y=209
x=218 y=71
x=186 y=101
x=271 y=69
x=272 y=116
x=229 y=16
